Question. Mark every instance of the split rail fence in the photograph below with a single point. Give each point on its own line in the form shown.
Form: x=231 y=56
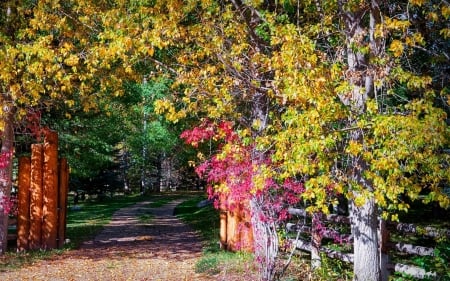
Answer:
x=311 y=235
x=43 y=182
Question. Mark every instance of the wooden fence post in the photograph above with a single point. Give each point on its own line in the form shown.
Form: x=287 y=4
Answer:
x=232 y=229
x=50 y=183
x=245 y=229
x=223 y=221
x=23 y=205
x=37 y=159
x=316 y=241
x=62 y=200
x=383 y=237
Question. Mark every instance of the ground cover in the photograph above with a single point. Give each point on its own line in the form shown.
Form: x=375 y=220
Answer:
x=160 y=248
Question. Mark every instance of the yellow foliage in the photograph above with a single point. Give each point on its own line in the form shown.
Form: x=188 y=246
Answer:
x=445 y=10
x=417 y=2
x=396 y=48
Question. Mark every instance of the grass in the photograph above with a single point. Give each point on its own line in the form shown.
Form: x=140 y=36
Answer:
x=145 y=218
x=205 y=220
x=85 y=222
x=165 y=199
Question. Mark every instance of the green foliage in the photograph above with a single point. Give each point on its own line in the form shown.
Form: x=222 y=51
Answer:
x=333 y=269
x=438 y=263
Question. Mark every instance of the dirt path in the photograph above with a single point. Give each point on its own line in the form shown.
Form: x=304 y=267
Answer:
x=127 y=249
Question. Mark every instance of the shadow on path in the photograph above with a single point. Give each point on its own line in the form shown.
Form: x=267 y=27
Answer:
x=163 y=235
x=164 y=248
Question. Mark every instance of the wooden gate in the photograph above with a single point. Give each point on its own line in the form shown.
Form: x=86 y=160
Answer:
x=43 y=182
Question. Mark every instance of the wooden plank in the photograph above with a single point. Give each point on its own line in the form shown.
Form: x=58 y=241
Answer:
x=245 y=229
x=23 y=205
x=50 y=184
x=62 y=200
x=223 y=221
x=37 y=159
x=232 y=230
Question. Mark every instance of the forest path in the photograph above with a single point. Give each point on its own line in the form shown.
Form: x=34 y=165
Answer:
x=160 y=247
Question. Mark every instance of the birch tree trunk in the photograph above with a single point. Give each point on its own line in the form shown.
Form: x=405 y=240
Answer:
x=363 y=216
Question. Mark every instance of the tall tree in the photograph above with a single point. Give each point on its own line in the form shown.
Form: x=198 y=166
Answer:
x=322 y=94
x=56 y=53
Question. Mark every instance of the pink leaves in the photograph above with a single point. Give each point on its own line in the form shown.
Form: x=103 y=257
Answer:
x=5 y=158
x=232 y=172
x=209 y=130
x=9 y=205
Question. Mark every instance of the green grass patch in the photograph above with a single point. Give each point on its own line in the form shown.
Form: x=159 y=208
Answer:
x=165 y=199
x=88 y=219
x=205 y=220
x=146 y=218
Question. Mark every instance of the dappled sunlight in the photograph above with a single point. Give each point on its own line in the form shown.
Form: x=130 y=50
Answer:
x=128 y=248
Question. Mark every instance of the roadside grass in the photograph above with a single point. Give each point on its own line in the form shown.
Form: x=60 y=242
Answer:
x=145 y=218
x=164 y=199
x=205 y=220
x=83 y=222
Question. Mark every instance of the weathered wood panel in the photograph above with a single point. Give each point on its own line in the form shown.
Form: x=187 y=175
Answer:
x=23 y=205
x=50 y=184
x=37 y=160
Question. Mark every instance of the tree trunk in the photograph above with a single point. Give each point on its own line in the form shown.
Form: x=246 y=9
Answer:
x=366 y=266
x=359 y=32
x=7 y=146
x=266 y=240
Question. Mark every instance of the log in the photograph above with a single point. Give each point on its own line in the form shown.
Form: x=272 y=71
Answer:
x=326 y=234
x=331 y=217
x=412 y=249
x=302 y=245
x=412 y=270
x=23 y=205
x=37 y=159
x=426 y=231
x=307 y=246
x=297 y=212
x=50 y=184
x=346 y=257
x=62 y=200
x=338 y=218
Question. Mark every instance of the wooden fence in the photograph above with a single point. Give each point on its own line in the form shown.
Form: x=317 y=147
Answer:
x=315 y=233
x=42 y=197
x=236 y=233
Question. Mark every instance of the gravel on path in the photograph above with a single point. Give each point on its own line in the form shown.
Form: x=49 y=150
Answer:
x=128 y=248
